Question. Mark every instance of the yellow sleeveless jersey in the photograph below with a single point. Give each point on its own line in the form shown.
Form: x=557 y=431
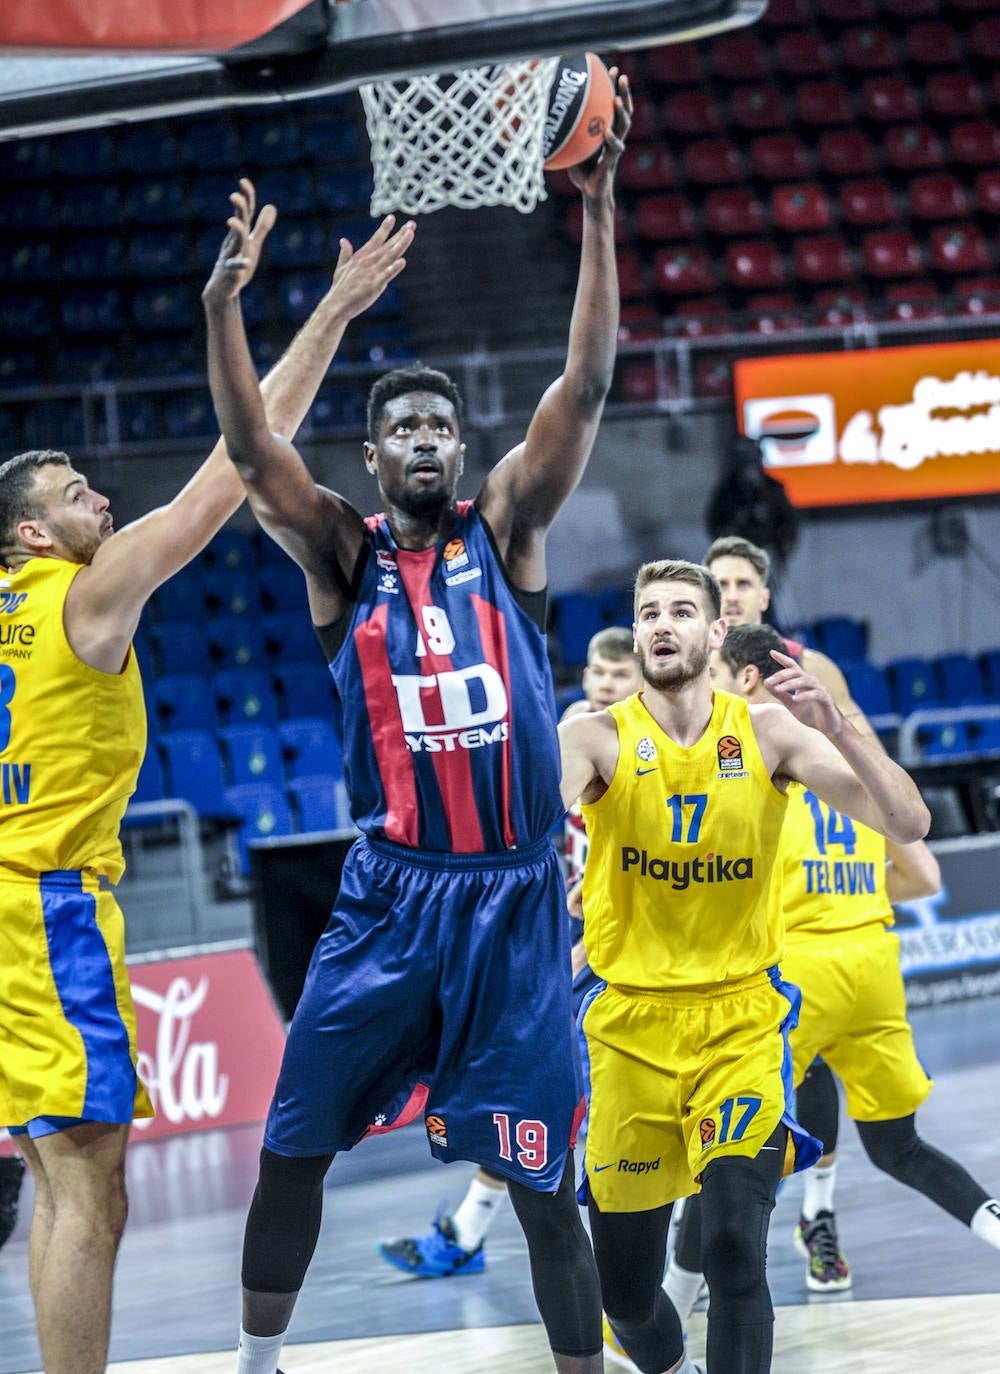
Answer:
x=681 y=887
x=833 y=870
x=71 y=738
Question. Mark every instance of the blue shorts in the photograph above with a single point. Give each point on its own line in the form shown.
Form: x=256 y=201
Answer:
x=440 y=987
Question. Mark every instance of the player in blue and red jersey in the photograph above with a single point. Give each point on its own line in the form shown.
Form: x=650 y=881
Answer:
x=440 y=987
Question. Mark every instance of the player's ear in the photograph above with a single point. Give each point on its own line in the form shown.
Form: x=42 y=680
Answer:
x=32 y=535
x=765 y=598
x=749 y=678
x=369 y=452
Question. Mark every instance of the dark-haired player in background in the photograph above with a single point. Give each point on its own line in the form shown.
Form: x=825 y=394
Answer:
x=439 y=988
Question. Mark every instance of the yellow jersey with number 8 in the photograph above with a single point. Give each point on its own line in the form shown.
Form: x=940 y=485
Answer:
x=72 y=738
x=682 y=887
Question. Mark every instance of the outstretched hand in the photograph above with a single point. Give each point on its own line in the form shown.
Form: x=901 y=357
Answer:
x=803 y=695
x=594 y=176
x=240 y=251
x=361 y=276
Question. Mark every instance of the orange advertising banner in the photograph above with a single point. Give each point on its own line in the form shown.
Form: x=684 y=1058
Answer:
x=888 y=424
x=133 y=26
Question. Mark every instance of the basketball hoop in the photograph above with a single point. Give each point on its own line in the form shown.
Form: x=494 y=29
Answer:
x=466 y=138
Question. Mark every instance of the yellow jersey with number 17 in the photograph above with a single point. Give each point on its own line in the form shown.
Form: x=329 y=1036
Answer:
x=72 y=738
x=682 y=888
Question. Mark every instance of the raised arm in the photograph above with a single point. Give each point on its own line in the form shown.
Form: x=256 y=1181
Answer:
x=811 y=742
x=320 y=530
x=524 y=492
x=588 y=750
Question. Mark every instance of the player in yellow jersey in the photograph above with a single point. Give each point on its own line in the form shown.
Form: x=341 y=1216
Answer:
x=683 y=792
x=72 y=736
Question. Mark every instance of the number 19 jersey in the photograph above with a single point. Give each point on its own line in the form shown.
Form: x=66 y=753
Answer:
x=681 y=888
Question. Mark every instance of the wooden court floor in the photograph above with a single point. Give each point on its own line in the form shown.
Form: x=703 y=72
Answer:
x=926 y=1294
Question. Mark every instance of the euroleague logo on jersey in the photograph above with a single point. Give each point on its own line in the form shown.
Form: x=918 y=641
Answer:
x=456 y=563
x=730 y=755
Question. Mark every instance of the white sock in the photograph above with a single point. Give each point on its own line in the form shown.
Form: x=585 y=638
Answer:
x=986 y=1223
x=258 y=1354
x=818 y=1194
x=475 y=1214
x=682 y=1288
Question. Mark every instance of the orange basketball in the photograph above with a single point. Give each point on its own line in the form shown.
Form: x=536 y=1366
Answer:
x=580 y=110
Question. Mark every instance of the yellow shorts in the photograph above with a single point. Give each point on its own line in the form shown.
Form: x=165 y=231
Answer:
x=854 y=1015
x=67 y=1023
x=680 y=1078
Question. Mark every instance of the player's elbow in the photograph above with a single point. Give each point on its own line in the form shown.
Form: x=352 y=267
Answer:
x=910 y=823
x=591 y=389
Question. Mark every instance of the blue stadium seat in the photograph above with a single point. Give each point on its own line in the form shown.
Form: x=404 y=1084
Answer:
x=845 y=640
x=24 y=316
x=344 y=188
x=291 y=189
x=160 y=253
x=304 y=689
x=138 y=418
x=26 y=261
x=945 y=740
x=150 y=785
x=869 y=686
x=169 y=357
x=959 y=681
x=245 y=696
x=234 y=549
x=388 y=343
x=156 y=200
x=194 y=771
x=149 y=147
x=339 y=406
x=252 y=754
x=389 y=303
x=290 y=635
x=184 y=701
x=85 y=153
x=212 y=143
x=985 y=736
x=232 y=591
x=264 y=811
x=165 y=306
x=332 y=138
x=92 y=257
x=208 y=198
x=235 y=641
x=91 y=205
x=43 y=419
x=282 y=583
x=299 y=293
x=180 y=646
x=181 y=597
x=300 y=243
x=88 y=361
x=321 y=802
x=577 y=617
x=29 y=207
x=912 y=683
x=309 y=745
x=271 y=140
x=93 y=310
x=191 y=415
x=25 y=159
x=989 y=662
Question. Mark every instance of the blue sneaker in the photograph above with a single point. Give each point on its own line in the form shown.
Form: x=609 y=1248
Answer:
x=434 y=1256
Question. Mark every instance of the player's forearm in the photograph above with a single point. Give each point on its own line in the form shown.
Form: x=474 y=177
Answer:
x=290 y=388
x=232 y=378
x=900 y=811
x=593 y=333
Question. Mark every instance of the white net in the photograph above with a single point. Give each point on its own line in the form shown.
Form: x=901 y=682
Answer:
x=465 y=138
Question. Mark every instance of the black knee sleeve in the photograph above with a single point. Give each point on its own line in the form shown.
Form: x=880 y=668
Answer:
x=687 y=1246
x=283 y=1222
x=630 y=1249
x=896 y=1149
x=563 y=1272
x=817 y=1104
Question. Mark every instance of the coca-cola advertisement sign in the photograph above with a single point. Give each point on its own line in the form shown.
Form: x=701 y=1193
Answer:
x=210 y=1042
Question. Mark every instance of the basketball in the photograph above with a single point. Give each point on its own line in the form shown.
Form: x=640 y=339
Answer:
x=580 y=109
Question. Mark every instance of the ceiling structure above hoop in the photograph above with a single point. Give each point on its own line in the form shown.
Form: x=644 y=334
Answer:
x=319 y=47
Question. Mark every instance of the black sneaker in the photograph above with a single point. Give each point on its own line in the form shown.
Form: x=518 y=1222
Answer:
x=827 y=1270
x=11 y=1178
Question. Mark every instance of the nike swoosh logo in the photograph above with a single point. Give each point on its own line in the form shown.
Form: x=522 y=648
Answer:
x=769 y=1147
x=641 y=773
x=599 y=1168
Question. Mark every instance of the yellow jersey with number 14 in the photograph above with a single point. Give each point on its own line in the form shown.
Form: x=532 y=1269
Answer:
x=682 y=888
x=72 y=738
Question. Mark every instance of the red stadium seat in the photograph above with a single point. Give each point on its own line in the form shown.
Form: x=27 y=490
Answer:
x=675 y=64
x=978 y=296
x=913 y=300
x=758 y=107
x=802 y=206
x=867 y=202
x=646 y=167
x=713 y=378
x=773 y=312
x=845 y=153
x=911 y=9
x=846 y=11
x=933 y=44
x=959 y=248
x=822 y=259
x=988 y=192
x=632 y=283
x=779 y=157
x=937 y=196
x=693 y=114
x=869 y=49
x=976 y=143
x=645 y=383
x=803 y=52
x=891 y=253
x=701 y=316
x=889 y=100
x=735 y=211
x=954 y=95
x=645 y=126
x=683 y=271
x=754 y=264
x=823 y=104
x=638 y=322
x=984 y=39
x=911 y=147
x=713 y=162
x=574 y=222
x=740 y=57
x=841 y=305
x=662 y=217
x=782 y=14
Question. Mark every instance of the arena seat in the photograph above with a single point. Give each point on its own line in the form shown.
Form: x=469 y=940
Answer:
x=867 y=202
x=845 y=11
x=714 y=162
x=989 y=664
x=166 y=306
x=803 y=52
x=303 y=689
x=95 y=205
x=801 y=206
x=913 y=147
x=954 y=95
x=90 y=257
x=933 y=43
x=92 y=310
x=786 y=13
x=891 y=253
x=290 y=634
x=987 y=192
x=937 y=196
x=889 y=100
x=959 y=249
x=180 y=647
x=959 y=680
x=913 y=300
x=842 y=637
x=779 y=157
x=683 y=270
x=756 y=108
x=211 y=144
x=236 y=641
x=822 y=259
x=868 y=48
x=663 y=217
x=737 y=211
x=343 y=188
x=647 y=167
x=271 y=140
x=841 y=305
x=869 y=686
x=984 y=39
x=264 y=813
x=251 y=754
x=823 y=104
x=193 y=768
x=975 y=143
x=846 y=153
x=912 y=684
x=150 y=785
x=245 y=696
x=231 y=548
x=740 y=57
x=85 y=153
x=632 y=284
x=675 y=64
x=692 y=114
x=309 y=745
x=320 y=802
x=773 y=312
x=701 y=317
x=978 y=296
x=149 y=146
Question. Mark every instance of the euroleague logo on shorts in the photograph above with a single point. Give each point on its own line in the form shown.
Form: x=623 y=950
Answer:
x=730 y=755
x=437 y=1130
x=706 y=1129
